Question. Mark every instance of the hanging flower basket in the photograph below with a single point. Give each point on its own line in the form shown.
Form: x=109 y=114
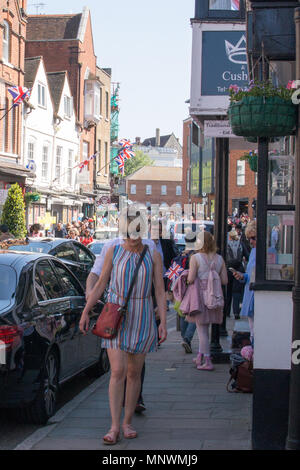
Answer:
x=262 y=116
x=262 y=110
x=32 y=197
x=251 y=158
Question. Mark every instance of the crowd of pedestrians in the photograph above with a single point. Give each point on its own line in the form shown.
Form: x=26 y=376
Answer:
x=81 y=231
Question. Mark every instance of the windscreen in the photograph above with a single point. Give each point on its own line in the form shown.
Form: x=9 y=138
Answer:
x=36 y=247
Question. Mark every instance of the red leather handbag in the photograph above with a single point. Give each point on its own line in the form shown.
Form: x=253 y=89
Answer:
x=110 y=318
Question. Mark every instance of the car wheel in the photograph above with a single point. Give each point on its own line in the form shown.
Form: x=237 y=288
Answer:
x=101 y=367
x=44 y=405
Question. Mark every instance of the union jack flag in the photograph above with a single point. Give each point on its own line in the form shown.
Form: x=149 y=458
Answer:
x=174 y=271
x=126 y=154
x=125 y=143
x=86 y=162
x=121 y=163
x=235 y=5
x=19 y=94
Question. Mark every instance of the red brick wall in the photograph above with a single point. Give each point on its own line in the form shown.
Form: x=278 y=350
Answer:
x=14 y=74
x=249 y=190
x=156 y=197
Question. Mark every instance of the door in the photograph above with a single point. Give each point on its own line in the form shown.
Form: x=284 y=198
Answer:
x=88 y=345
x=86 y=259
x=57 y=316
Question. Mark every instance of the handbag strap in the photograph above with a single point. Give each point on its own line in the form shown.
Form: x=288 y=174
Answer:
x=124 y=308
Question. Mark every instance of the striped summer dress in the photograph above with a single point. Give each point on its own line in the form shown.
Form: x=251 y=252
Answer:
x=138 y=331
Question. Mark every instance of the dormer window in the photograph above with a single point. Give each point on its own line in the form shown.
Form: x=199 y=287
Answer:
x=42 y=95
x=92 y=100
x=68 y=103
x=6 y=40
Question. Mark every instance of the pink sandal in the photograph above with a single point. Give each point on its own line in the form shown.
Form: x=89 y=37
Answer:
x=198 y=360
x=208 y=365
x=129 y=432
x=112 y=437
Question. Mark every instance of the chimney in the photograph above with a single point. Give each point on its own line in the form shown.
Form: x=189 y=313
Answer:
x=138 y=141
x=157 y=139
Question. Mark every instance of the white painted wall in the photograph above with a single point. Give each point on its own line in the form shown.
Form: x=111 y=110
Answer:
x=273 y=330
x=40 y=128
x=69 y=139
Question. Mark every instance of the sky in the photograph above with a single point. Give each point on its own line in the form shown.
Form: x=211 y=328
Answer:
x=147 y=44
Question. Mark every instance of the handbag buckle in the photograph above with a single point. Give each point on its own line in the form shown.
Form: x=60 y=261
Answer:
x=110 y=331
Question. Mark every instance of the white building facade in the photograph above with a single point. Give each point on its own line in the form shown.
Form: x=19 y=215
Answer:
x=51 y=143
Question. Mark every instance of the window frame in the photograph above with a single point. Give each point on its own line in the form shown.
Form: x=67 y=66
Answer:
x=45 y=163
x=132 y=188
x=6 y=42
x=178 y=193
x=42 y=97
x=58 y=176
x=70 y=166
x=162 y=192
x=148 y=191
x=239 y=162
x=68 y=101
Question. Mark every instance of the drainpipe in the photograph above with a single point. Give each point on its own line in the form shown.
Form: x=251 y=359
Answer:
x=293 y=439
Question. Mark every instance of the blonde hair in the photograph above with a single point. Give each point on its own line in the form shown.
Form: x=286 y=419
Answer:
x=251 y=228
x=233 y=235
x=208 y=243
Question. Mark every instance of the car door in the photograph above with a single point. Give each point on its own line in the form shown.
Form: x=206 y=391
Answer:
x=89 y=344
x=67 y=253
x=86 y=260
x=56 y=315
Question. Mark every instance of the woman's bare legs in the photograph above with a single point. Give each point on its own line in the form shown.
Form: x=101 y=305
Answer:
x=118 y=364
x=133 y=387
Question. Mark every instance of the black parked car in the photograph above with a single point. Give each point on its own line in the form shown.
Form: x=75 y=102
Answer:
x=74 y=254
x=41 y=346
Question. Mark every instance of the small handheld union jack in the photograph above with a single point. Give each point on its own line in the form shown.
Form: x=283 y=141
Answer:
x=174 y=271
x=19 y=94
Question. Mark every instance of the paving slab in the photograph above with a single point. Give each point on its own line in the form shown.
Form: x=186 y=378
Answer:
x=186 y=409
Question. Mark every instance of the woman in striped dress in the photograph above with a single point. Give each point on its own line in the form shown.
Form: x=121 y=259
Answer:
x=138 y=332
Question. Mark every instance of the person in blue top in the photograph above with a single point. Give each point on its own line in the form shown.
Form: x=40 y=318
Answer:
x=248 y=277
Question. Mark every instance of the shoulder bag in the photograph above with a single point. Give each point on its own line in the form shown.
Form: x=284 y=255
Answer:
x=109 y=321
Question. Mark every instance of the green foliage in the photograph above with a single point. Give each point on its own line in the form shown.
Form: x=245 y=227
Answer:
x=32 y=197
x=137 y=162
x=13 y=214
x=257 y=88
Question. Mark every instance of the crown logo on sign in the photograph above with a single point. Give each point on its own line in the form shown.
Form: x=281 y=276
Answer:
x=237 y=53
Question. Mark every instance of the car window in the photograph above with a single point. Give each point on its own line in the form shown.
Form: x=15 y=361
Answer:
x=96 y=248
x=8 y=282
x=65 y=251
x=48 y=286
x=83 y=255
x=70 y=285
x=34 y=247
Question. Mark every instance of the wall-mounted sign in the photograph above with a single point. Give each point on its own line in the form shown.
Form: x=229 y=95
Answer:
x=224 y=61
x=218 y=129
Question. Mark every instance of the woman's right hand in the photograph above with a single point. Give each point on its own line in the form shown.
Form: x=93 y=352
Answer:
x=84 y=323
x=238 y=276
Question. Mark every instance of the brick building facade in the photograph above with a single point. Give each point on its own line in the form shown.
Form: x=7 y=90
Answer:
x=155 y=185
x=12 y=51
x=66 y=43
x=242 y=183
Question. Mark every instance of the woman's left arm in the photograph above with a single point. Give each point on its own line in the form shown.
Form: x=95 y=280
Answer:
x=224 y=275
x=160 y=296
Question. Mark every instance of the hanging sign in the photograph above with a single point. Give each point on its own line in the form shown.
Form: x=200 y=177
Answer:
x=218 y=129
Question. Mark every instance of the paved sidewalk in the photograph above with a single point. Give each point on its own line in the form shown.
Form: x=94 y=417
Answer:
x=186 y=410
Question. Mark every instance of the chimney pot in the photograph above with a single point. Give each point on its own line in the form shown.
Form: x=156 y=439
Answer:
x=157 y=140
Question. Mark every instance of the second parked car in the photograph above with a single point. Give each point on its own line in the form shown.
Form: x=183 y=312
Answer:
x=76 y=256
